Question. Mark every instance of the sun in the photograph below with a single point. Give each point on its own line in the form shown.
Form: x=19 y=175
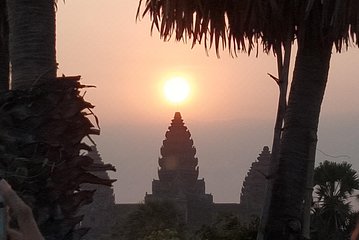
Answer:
x=176 y=89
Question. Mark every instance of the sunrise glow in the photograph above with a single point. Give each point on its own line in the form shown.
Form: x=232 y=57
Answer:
x=176 y=89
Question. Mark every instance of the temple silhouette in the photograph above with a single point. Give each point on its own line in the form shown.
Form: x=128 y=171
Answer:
x=178 y=176
x=178 y=182
x=99 y=215
x=254 y=187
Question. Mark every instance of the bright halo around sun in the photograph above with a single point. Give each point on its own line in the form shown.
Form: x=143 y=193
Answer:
x=176 y=89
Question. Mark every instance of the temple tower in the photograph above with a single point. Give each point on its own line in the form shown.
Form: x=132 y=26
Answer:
x=254 y=187
x=178 y=175
x=99 y=215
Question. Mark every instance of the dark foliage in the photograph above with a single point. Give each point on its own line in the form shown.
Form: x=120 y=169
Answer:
x=332 y=216
x=41 y=148
x=229 y=228
x=152 y=219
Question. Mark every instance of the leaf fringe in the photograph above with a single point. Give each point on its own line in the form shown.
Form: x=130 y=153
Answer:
x=241 y=24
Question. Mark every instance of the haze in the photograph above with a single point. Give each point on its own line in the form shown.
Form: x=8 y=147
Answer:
x=230 y=113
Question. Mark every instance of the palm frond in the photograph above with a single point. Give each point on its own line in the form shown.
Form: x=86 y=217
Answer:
x=241 y=25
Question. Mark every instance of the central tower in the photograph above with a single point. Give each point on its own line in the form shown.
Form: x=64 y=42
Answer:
x=178 y=175
x=178 y=162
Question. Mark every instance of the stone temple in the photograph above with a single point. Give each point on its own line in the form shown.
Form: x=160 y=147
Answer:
x=178 y=182
x=178 y=176
x=254 y=187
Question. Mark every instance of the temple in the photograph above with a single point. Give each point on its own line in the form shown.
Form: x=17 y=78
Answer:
x=178 y=182
x=99 y=215
x=254 y=187
x=178 y=176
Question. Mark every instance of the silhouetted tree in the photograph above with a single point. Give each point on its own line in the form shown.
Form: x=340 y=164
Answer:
x=334 y=184
x=166 y=234
x=4 y=47
x=241 y=25
x=43 y=120
x=229 y=228
x=153 y=220
x=32 y=42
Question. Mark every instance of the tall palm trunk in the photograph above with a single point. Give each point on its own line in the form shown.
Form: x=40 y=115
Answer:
x=309 y=190
x=32 y=41
x=299 y=133
x=283 y=63
x=4 y=47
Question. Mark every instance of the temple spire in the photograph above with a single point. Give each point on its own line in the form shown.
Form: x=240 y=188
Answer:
x=178 y=153
x=177 y=116
x=178 y=175
x=254 y=187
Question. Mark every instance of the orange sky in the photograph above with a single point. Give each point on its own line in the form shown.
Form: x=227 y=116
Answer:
x=230 y=113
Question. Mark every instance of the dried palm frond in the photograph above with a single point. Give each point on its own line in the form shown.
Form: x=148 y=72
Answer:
x=242 y=24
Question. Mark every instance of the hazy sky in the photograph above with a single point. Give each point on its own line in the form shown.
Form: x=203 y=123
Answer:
x=230 y=112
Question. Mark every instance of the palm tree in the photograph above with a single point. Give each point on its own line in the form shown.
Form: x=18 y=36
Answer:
x=43 y=120
x=335 y=180
x=4 y=48
x=335 y=183
x=32 y=42
x=241 y=25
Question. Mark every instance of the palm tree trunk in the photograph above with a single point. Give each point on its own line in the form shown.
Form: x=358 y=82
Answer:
x=4 y=47
x=301 y=123
x=283 y=64
x=32 y=41
x=309 y=188
x=300 y=129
